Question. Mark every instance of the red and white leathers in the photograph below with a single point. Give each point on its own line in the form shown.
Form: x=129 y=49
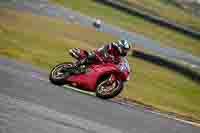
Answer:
x=107 y=53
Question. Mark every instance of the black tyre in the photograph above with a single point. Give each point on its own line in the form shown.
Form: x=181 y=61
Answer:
x=57 y=76
x=110 y=92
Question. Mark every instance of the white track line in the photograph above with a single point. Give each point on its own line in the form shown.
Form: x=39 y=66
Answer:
x=154 y=112
x=54 y=116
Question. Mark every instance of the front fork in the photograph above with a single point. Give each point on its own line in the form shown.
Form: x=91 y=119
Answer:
x=112 y=79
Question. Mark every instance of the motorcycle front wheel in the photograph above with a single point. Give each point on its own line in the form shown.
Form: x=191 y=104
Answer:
x=57 y=75
x=105 y=90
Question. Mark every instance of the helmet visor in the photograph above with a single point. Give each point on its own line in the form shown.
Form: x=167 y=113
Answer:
x=124 y=51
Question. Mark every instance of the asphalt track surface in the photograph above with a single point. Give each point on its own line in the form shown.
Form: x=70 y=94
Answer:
x=30 y=103
x=42 y=7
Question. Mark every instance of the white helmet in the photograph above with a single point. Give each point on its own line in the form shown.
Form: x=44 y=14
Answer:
x=123 y=47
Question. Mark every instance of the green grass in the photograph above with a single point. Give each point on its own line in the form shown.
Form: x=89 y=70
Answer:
x=166 y=36
x=24 y=38
x=167 y=9
x=44 y=42
x=163 y=89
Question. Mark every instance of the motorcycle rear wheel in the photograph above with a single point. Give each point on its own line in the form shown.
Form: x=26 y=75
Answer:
x=112 y=92
x=56 y=76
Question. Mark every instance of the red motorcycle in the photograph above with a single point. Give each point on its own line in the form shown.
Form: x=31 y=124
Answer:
x=106 y=79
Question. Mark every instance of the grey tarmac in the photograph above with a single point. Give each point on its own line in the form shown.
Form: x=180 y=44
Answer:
x=30 y=103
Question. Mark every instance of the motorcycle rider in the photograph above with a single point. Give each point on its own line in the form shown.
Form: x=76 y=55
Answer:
x=112 y=53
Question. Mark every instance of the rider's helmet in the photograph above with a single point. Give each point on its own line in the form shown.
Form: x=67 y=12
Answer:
x=123 y=47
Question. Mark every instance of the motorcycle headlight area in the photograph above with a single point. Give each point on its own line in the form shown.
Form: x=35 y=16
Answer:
x=123 y=67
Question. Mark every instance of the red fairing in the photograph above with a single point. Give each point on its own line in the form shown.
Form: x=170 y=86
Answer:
x=124 y=76
x=89 y=79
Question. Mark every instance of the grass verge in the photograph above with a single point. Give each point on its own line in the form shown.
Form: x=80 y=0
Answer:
x=43 y=42
x=165 y=9
x=166 y=36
